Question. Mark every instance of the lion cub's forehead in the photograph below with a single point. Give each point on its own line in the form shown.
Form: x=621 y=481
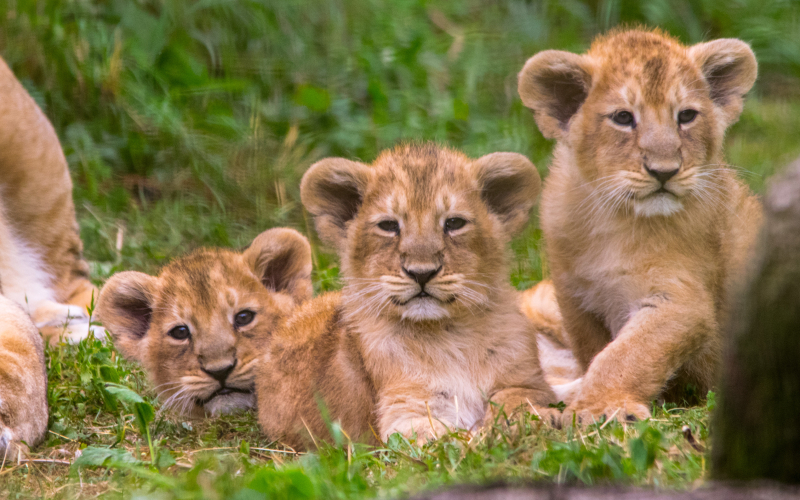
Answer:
x=420 y=177
x=204 y=283
x=644 y=66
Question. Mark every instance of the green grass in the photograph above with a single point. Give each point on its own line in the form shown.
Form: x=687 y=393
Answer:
x=191 y=123
x=217 y=458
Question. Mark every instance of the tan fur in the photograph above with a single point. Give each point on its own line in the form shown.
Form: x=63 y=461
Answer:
x=23 y=383
x=43 y=269
x=560 y=367
x=42 y=273
x=643 y=279
x=379 y=355
x=205 y=291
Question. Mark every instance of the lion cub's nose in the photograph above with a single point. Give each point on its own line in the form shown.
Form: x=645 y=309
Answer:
x=422 y=276
x=661 y=176
x=219 y=373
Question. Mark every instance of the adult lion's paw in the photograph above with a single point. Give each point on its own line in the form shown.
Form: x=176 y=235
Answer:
x=628 y=411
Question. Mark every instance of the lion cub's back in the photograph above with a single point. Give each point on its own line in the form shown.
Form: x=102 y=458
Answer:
x=313 y=359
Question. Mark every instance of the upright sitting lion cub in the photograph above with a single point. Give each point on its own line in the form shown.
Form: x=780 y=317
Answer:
x=647 y=230
x=200 y=326
x=427 y=328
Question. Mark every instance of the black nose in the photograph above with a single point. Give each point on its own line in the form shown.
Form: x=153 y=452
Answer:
x=422 y=276
x=661 y=176
x=220 y=374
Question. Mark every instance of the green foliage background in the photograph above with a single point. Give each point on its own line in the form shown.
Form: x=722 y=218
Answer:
x=191 y=123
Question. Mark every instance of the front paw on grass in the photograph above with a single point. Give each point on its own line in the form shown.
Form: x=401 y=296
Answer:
x=576 y=415
x=512 y=423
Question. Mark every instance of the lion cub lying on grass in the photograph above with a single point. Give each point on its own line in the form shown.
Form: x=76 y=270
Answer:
x=200 y=326
x=647 y=231
x=427 y=328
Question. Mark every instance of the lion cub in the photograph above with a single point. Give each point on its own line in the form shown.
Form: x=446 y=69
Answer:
x=647 y=230
x=427 y=328
x=201 y=324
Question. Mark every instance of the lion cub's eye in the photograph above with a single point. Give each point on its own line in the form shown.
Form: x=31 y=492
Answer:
x=390 y=226
x=624 y=118
x=180 y=332
x=454 y=224
x=243 y=318
x=687 y=116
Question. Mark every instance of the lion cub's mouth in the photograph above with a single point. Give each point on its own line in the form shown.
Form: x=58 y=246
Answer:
x=660 y=191
x=423 y=295
x=222 y=391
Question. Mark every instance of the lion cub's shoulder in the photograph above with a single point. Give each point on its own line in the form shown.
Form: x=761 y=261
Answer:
x=313 y=320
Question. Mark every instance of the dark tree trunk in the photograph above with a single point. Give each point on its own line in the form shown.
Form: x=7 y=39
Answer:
x=756 y=433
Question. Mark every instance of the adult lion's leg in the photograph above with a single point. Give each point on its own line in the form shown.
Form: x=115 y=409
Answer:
x=624 y=377
x=23 y=382
x=37 y=200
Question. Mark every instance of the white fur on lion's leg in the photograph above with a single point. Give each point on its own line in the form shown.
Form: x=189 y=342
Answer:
x=65 y=321
x=567 y=392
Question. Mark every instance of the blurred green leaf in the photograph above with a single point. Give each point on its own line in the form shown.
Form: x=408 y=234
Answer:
x=314 y=98
x=107 y=457
x=123 y=393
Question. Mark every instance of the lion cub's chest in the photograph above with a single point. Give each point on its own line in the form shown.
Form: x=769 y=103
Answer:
x=454 y=378
x=608 y=278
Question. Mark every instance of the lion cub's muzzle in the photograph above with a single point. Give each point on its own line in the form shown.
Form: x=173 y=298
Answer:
x=231 y=390
x=421 y=277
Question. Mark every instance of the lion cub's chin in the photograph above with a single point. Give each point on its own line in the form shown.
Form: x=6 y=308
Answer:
x=229 y=404
x=425 y=309
x=659 y=204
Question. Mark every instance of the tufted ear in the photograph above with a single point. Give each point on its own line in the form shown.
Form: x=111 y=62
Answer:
x=281 y=258
x=332 y=190
x=730 y=68
x=509 y=185
x=554 y=84
x=125 y=307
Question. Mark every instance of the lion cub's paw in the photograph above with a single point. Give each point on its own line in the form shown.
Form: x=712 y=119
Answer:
x=550 y=416
x=510 y=422
x=421 y=426
x=627 y=411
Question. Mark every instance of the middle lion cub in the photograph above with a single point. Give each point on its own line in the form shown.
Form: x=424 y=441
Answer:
x=426 y=330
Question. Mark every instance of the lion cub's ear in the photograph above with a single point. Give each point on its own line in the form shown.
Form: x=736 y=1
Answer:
x=332 y=190
x=554 y=84
x=281 y=258
x=125 y=307
x=509 y=185
x=730 y=68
